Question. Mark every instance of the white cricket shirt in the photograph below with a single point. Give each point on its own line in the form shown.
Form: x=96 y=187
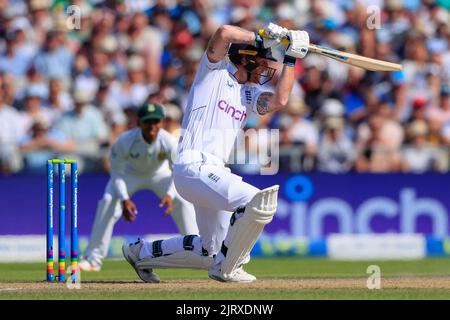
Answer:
x=131 y=156
x=217 y=108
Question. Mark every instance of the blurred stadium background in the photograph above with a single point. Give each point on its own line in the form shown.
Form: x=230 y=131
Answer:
x=364 y=157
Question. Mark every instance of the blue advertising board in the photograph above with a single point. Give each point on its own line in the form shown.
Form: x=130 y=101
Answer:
x=313 y=205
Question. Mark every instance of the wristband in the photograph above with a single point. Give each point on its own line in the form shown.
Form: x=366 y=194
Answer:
x=259 y=41
x=289 y=61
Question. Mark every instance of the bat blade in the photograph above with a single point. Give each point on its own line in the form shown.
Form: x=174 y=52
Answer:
x=355 y=60
x=348 y=58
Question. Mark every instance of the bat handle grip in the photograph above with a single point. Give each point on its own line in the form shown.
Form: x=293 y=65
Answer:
x=263 y=34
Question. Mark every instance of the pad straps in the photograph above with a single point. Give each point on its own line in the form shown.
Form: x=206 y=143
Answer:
x=157 y=249
x=187 y=242
x=224 y=249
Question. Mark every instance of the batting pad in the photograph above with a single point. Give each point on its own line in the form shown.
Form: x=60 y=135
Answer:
x=180 y=259
x=244 y=232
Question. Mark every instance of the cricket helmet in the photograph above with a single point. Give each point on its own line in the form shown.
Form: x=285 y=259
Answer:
x=239 y=50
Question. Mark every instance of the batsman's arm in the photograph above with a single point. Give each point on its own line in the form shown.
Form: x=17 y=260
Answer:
x=223 y=37
x=272 y=101
x=296 y=49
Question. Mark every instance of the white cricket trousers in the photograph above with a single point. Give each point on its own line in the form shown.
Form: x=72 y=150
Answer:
x=109 y=211
x=215 y=192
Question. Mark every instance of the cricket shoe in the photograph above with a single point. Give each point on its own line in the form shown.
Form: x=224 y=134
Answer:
x=238 y=275
x=131 y=253
x=86 y=265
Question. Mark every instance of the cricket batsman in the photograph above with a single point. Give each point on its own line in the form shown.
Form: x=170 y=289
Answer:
x=230 y=213
x=140 y=159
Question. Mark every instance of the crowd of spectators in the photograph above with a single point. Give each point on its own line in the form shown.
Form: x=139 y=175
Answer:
x=69 y=86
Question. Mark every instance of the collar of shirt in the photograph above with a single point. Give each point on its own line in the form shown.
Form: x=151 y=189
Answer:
x=141 y=138
x=232 y=69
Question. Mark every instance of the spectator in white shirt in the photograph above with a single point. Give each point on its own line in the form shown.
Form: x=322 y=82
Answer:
x=33 y=109
x=419 y=156
x=11 y=131
x=58 y=101
x=336 y=151
x=12 y=60
x=86 y=126
x=42 y=144
x=301 y=130
x=296 y=129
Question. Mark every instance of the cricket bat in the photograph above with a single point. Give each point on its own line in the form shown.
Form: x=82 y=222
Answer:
x=348 y=58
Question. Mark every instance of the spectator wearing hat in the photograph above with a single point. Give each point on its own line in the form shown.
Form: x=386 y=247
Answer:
x=397 y=93
x=419 y=156
x=86 y=127
x=336 y=151
x=332 y=108
x=8 y=89
x=25 y=46
x=33 y=109
x=12 y=61
x=417 y=64
x=297 y=130
x=110 y=96
x=55 y=59
x=59 y=101
x=172 y=119
x=33 y=78
x=148 y=40
x=122 y=25
x=106 y=102
x=381 y=124
x=378 y=144
x=136 y=89
x=418 y=109
x=42 y=144
x=114 y=117
x=40 y=19
x=106 y=54
x=301 y=130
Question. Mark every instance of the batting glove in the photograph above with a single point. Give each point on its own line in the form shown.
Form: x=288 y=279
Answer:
x=273 y=35
x=298 y=46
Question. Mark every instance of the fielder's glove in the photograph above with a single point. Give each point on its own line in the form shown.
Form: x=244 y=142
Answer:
x=298 y=46
x=273 y=35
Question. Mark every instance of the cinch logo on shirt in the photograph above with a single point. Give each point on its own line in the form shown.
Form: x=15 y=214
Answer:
x=232 y=111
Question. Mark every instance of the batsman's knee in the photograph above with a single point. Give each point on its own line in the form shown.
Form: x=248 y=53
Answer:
x=246 y=225
x=264 y=205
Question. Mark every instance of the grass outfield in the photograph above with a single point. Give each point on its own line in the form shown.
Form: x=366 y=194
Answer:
x=277 y=279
